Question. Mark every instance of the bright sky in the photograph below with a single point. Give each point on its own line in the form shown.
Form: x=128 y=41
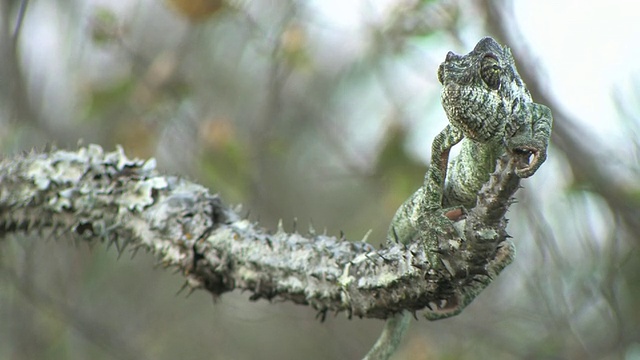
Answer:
x=588 y=48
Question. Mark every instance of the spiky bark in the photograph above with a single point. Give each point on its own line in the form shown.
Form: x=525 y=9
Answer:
x=93 y=196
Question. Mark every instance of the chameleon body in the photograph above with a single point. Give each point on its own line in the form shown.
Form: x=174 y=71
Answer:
x=491 y=112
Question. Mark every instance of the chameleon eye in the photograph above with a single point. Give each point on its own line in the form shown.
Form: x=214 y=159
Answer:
x=490 y=71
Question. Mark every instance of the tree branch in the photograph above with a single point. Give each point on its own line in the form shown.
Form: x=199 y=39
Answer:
x=94 y=196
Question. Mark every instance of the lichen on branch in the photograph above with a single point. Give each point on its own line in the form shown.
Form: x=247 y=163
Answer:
x=96 y=196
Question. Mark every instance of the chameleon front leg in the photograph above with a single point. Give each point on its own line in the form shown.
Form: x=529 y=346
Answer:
x=422 y=218
x=433 y=220
x=533 y=137
x=422 y=211
x=435 y=177
x=410 y=219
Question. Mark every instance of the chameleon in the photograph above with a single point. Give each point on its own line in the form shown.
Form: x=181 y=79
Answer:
x=490 y=112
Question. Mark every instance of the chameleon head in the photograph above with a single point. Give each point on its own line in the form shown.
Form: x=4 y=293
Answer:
x=484 y=96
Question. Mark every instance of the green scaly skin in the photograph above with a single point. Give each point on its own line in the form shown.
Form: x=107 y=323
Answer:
x=491 y=112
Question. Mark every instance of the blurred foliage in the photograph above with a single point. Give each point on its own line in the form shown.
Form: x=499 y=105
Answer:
x=315 y=111
x=224 y=159
x=197 y=10
x=400 y=173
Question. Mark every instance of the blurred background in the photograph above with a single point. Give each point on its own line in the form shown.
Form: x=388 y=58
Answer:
x=321 y=111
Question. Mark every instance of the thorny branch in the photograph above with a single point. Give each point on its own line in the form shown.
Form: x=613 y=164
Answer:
x=95 y=196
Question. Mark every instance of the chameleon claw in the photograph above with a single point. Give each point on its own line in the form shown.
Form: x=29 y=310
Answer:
x=529 y=160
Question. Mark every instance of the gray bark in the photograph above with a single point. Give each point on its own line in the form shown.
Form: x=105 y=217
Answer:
x=93 y=196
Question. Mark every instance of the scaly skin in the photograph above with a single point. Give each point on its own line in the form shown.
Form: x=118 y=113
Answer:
x=491 y=111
